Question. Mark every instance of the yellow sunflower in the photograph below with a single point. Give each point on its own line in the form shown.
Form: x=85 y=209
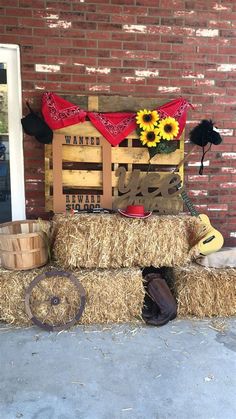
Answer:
x=168 y=128
x=147 y=119
x=150 y=138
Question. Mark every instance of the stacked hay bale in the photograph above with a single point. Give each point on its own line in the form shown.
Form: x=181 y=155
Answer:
x=111 y=296
x=112 y=241
x=205 y=292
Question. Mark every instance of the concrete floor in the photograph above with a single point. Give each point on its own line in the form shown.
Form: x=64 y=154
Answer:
x=184 y=370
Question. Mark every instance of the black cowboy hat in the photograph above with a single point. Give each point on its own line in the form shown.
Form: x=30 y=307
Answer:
x=205 y=132
x=34 y=125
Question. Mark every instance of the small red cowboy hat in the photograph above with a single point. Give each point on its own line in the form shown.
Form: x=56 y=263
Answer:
x=135 y=211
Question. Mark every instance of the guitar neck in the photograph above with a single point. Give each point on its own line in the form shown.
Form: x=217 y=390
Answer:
x=189 y=204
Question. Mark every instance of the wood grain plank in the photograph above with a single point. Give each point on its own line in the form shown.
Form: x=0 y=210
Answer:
x=129 y=155
x=83 y=154
x=48 y=151
x=82 y=129
x=116 y=103
x=93 y=178
x=136 y=155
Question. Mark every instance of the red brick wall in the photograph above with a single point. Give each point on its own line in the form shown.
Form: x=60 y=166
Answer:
x=150 y=48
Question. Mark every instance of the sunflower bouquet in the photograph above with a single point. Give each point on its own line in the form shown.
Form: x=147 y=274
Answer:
x=156 y=133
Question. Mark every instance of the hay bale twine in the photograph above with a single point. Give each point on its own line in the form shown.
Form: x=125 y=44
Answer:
x=113 y=241
x=112 y=296
x=205 y=292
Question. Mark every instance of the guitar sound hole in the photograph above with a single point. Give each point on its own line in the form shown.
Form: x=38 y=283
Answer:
x=209 y=239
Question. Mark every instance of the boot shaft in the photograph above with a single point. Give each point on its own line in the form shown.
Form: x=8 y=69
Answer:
x=161 y=295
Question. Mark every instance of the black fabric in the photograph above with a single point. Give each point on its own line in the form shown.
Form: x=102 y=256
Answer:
x=34 y=125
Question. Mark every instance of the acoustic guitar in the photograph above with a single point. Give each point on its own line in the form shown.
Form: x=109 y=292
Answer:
x=210 y=239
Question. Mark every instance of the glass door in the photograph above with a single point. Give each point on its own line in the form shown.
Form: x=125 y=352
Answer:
x=5 y=187
x=12 y=193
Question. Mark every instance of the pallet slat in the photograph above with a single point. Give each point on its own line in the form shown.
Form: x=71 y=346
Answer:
x=134 y=155
x=83 y=154
x=93 y=178
x=164 y=202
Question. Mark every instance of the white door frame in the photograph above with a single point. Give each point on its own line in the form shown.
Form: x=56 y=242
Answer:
x=10 y=54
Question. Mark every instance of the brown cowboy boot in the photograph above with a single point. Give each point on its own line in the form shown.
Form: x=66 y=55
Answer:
x=161 y=295
x=150 y=308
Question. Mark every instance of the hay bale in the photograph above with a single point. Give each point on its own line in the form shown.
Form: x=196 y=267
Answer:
x=111 y=296
x=113 y=241
x=205 y=292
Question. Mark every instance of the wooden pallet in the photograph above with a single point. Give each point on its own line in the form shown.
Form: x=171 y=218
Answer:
x=81 y=166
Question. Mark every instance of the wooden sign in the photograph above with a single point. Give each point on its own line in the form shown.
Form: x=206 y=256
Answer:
x=152 y=190
x=83 y=171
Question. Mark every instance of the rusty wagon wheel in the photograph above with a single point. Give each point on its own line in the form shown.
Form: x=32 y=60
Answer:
x=55 y=300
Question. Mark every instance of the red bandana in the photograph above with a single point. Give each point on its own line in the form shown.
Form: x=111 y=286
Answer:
x=59 y=113
x=116 y=126
x=176 y=109
x=113 y=126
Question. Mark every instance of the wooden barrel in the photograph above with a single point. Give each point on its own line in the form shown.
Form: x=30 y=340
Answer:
x=24 y=244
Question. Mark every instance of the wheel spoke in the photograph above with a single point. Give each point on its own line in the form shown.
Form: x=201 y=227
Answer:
x=44 y=290
x=48 y=313
x=38 y=303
